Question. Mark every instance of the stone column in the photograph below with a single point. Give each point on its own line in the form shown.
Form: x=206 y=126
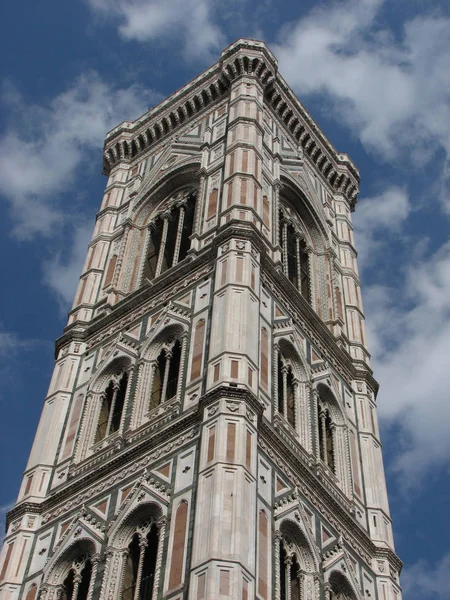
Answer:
x=162 y=245
x=95 y=559
x=126 y=400
x=176 y=251
x=162 y=524
x=143 y=543
x=76 y=585
x=288 y=566
x=277 y=539
x=284 y=246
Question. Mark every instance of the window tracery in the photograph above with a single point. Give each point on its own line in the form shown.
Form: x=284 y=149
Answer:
x=294 y=252
x=332 y=437
x=169 y=234
x=111 y=408
x=77 y=581
x=287 y=390
x=166 y=373
x=140 y=563
x=296 y=574
x=326 y=435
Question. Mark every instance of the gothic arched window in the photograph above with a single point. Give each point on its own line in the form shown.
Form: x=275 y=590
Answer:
x=297 y=566
x=169 y=235
x=111 y=409
x=140 y=565
x=340 y=588
x=291 y=574
x=77 y=582
x=326 y=438
x=286 y=390
x=295 y=257
x=166 y=375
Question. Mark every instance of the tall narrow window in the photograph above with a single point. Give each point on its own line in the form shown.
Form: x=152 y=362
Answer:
x=86 y=575
x=174 y=371
x=111 y=409
x=169 y=237
x=76 y=584
x=165 y=375
x=286 y=390
x=139 y=574
x=294 y=254
x=326 y=440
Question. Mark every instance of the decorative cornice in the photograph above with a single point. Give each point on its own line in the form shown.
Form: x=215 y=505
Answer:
x=244 y=58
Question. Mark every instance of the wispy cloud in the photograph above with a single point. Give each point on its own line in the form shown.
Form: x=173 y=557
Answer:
x=62 y=272
x=46 y=152
x=391 y=90
x=425 y=581
x=376 y=218
x=409 y=336
x=191 y=22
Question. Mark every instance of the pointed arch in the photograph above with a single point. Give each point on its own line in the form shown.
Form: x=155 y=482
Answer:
x=298 y=567
x=110 y=369
x=64 y=558
x=140 y=531
x=332 y=439
x=342 y=586
x=161 y=370
x=160 y=223
x=106 y=403
x=291 y=389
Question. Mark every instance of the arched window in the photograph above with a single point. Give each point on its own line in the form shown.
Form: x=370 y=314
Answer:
x=111 y=409
x=297 y=569
x=166 y=374
x=326 y=438
x=140 y=566
x=170 y=235
x=77 y=581
x=294 y=253
x=340 y=587
x=286 y=390
x=290 y=575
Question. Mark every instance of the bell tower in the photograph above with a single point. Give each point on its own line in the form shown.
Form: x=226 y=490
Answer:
x=210 y=430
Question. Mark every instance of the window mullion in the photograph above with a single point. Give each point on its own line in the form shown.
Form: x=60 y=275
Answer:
x=322 y=424
x=162 y=246
x=299 y=265
x=143 y=542
x=76 y=586
x=166 y=377
x=176 y=252
x=285 y=254
x=111 y=410
x=288 y=566
x=285 y=406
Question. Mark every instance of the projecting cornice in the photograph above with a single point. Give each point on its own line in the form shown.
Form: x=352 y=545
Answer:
x=245 y=57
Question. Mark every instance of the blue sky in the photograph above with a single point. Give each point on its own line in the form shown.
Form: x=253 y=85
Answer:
x=374 y=74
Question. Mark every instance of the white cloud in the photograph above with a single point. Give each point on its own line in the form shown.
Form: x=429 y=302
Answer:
x=409 y=335
x=424 y=581
x=44 y=146
x=393 y=91
x=11 y=343
x=376 y=218
x=191 y=22
x=62 y=273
